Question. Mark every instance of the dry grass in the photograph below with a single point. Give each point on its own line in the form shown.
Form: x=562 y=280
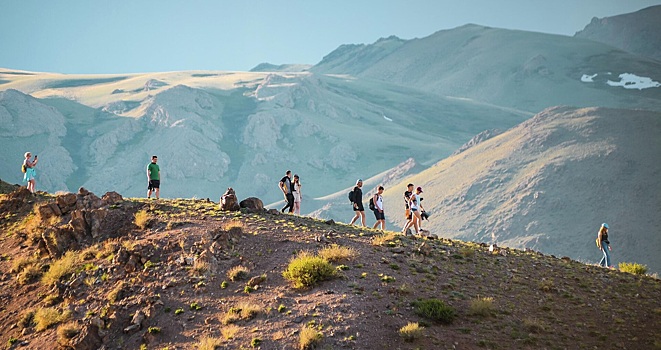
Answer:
x=67 y=331
x=384 y=238
x=209 y=343
x=19 y=264
x=200 y=267
x=229 y=331
x=336 y=253
x=308 y=338
x=411 y=331
x=233 y=226
x=142 y=219
x=59 y=268
x=534 y=325
x=242 y=311
x=48 y=316
x=481 y=306
x=114 y=294
x=29 y=274
x=237 y=273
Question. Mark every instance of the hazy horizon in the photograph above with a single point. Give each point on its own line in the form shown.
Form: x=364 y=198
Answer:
x=153 y=36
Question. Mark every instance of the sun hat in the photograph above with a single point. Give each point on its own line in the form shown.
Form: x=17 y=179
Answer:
x=419 y=189
x=604 y=225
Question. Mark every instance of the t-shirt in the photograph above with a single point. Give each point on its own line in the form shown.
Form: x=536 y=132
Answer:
x=153 y=171
x=287 y=182
x=407 y=195
x=357 y=195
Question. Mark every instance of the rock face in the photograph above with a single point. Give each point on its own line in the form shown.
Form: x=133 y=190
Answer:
x=228 y=201
x=636 y=32
x=87 y=339
x=252 y=203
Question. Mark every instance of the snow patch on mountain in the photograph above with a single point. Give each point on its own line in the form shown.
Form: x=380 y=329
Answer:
x=632 y=81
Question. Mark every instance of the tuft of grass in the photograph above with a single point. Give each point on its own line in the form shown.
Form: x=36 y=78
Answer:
x=308 y=338
x=21 y=263
x=154 y=330
x=306 y=270
x=67 y=331
x=467 y=252
x=229 y=331
x=435 y=310
x=46 y=317
x=62 y=267
x=29 y=274
x=481 y=306
x=411 y=331
x=242 y=311
x=335 y=253
x=237 y=273
x=200 y=267
x=534 y=325
x=224 y=285
x=282 y=308
x=142 y=219
x=633 y=268
x=116 y=293
x=209 y=343
x=233 y=226
x=27 y=320
x=384 y=239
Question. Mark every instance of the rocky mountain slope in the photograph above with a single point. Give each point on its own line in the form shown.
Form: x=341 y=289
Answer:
x=549 y=183
x=636 y=32
x=213 y=130
x=83 y=272
x=517 y=69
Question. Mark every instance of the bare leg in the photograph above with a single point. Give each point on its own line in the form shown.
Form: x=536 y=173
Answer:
x=355 y=217
x=362 y=218
x=158 y=193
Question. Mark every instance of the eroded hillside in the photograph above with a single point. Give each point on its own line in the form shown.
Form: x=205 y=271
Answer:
x=114 y=273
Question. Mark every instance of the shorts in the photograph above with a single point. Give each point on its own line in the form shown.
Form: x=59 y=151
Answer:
x=379 y=215
x=154 y=184
x=29 y=174
x=358 y=207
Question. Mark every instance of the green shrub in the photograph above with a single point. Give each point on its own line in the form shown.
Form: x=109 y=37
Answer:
x=633 y=268
x=411 y=331
x=255 y=342
x=435 y=310
x=306 y=270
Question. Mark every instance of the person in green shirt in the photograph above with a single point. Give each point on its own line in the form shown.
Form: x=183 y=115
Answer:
x=154 y=178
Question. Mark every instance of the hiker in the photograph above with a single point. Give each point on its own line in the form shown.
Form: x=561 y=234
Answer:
x=154 y=178
x=377 y=199
x=407 y=211
x=297 y=194
x=357 y=202
x=604 y=245
x=287 y=189
x=416 y=209
x=30 y=173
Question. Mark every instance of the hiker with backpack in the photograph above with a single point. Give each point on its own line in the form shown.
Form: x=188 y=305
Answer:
x=297 y=194
x=604 y=245
x=407 y=210
x=28 y=171
x=287 y=188
x=356 y=198
x=376 y=205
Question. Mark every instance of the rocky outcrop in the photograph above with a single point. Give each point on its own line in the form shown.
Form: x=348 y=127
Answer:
x=228 y=201
x=253 y=204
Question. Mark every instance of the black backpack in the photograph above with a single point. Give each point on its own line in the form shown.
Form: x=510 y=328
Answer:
x=372 y=207
x=351 y=196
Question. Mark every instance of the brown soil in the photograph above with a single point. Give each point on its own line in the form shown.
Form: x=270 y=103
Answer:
x=539 y=301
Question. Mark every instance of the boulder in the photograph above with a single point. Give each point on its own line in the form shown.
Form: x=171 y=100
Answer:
x=88 y=201
x=79 y=224
x=228 y=201
x=112 y=198
x=87 y=339
x=253 y=204
x=66 y=202
x=94 y=220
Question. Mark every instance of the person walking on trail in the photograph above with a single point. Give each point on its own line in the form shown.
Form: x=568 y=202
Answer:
x=29 y=172
x=416 y=209
x=379 y=214
x=357 y=202
x=287 y=188
x=297 y=195
x=407 y=210
x=154 y=178
x=604 y=245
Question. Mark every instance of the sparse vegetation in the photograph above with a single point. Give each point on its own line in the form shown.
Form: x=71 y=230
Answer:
x=384 y=239
x=46 y=317
x=481 y=306
x=142 y=219
x=306 y=270
x=62 y=267
x=308 y=338
x=237 y=273
x=242 y=311
x=435 y=310
x=411 y=331
x=633 y=268
x=335 y=253
x=209 y=343
x=229 y=331
x=67 y=331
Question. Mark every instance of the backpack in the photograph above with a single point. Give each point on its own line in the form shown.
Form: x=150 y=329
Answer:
x=24 y=169
x=351 y=196
x=372 y=207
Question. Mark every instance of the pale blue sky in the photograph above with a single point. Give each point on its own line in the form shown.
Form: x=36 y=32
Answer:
x=131 y=36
